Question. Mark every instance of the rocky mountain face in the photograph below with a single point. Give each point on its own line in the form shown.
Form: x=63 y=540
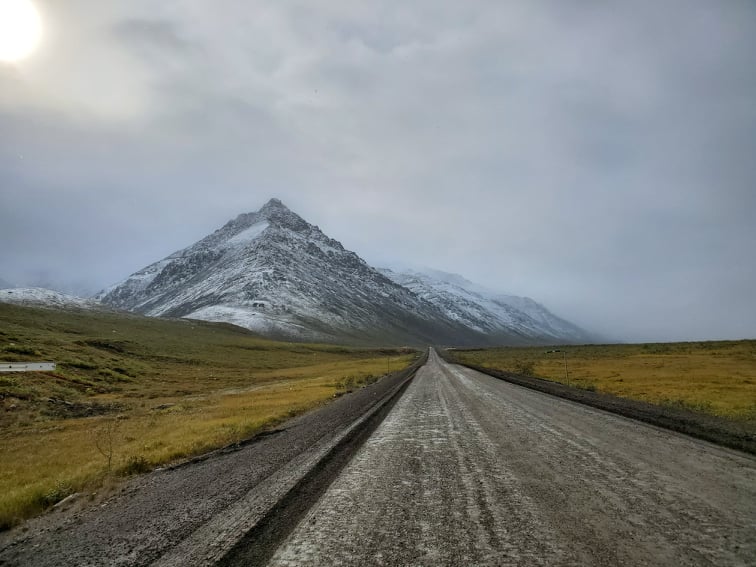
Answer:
x=493 y=314
x=272 y=272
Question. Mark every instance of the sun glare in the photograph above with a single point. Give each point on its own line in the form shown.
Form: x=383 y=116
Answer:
x=20 y=29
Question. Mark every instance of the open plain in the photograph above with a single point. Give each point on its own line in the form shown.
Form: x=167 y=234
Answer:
x=464 y=469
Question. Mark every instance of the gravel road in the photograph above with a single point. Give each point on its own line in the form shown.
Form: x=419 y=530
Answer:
x=471 y=470
x=194 y=514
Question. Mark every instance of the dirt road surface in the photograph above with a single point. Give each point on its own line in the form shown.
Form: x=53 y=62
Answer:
x=471 y=470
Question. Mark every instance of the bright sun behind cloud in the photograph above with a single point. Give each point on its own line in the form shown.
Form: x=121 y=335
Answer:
x=20 y=29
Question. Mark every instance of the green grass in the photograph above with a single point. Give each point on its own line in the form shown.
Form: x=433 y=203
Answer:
x=132 y=392
x=717 y=377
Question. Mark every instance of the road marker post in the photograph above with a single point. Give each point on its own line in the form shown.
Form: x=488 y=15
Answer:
x=564 y=357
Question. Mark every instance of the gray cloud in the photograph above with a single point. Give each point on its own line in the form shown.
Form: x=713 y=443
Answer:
x=152 y=35
x=595 y=156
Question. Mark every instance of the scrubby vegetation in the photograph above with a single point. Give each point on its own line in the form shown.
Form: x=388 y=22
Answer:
x=130 y=393
x=717 y=378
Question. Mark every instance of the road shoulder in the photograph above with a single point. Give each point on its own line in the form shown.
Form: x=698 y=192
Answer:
x=721 y=431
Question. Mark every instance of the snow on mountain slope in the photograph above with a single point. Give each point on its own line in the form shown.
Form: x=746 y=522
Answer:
x=485 y=311
x=38 y=296
x=270 y=271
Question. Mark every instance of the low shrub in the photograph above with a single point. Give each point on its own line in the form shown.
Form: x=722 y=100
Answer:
x=15 y=349
x=524 y=367
x=80 y=364
x=55 y=494
x=135 y=464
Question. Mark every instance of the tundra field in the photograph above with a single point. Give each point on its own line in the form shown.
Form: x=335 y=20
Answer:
x=131 y=393
x=717 y=378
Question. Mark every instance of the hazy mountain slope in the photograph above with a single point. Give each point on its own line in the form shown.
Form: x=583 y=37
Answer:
x=488 y=312
x=272 y=272
x=38 y=296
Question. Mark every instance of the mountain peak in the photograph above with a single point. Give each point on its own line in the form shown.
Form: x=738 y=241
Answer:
x=275 y=212
x=274 y=205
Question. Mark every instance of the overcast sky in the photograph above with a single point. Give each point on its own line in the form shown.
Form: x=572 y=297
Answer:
x=599 y=157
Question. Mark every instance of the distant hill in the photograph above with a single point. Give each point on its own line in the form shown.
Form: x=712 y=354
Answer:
x=38 y=296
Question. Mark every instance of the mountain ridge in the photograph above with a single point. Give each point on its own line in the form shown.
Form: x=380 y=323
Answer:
x=485 y=310
x=272 y=272
x=44 y=297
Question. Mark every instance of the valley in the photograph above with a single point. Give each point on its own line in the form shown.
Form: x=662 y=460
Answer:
x=437 y=465
x=229 y=405
x=377 y=284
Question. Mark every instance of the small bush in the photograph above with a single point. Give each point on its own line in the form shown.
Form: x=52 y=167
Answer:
x=80 y=364
x=524 y=367
x=351 y=383
x=55 y=494
x=702 y=406
x=7 y=381
x=136 y=464
x=22 y=350
x=114 y=346
x=113 y=376
x=124 y=371
x=347 y=383
x=106 y=438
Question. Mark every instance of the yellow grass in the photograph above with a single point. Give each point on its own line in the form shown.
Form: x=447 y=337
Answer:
x=186 y=388
x=713 y=377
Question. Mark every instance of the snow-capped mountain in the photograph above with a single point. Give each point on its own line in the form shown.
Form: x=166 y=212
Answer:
x=485 y=311
x=272 y=272
x=41 y=297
